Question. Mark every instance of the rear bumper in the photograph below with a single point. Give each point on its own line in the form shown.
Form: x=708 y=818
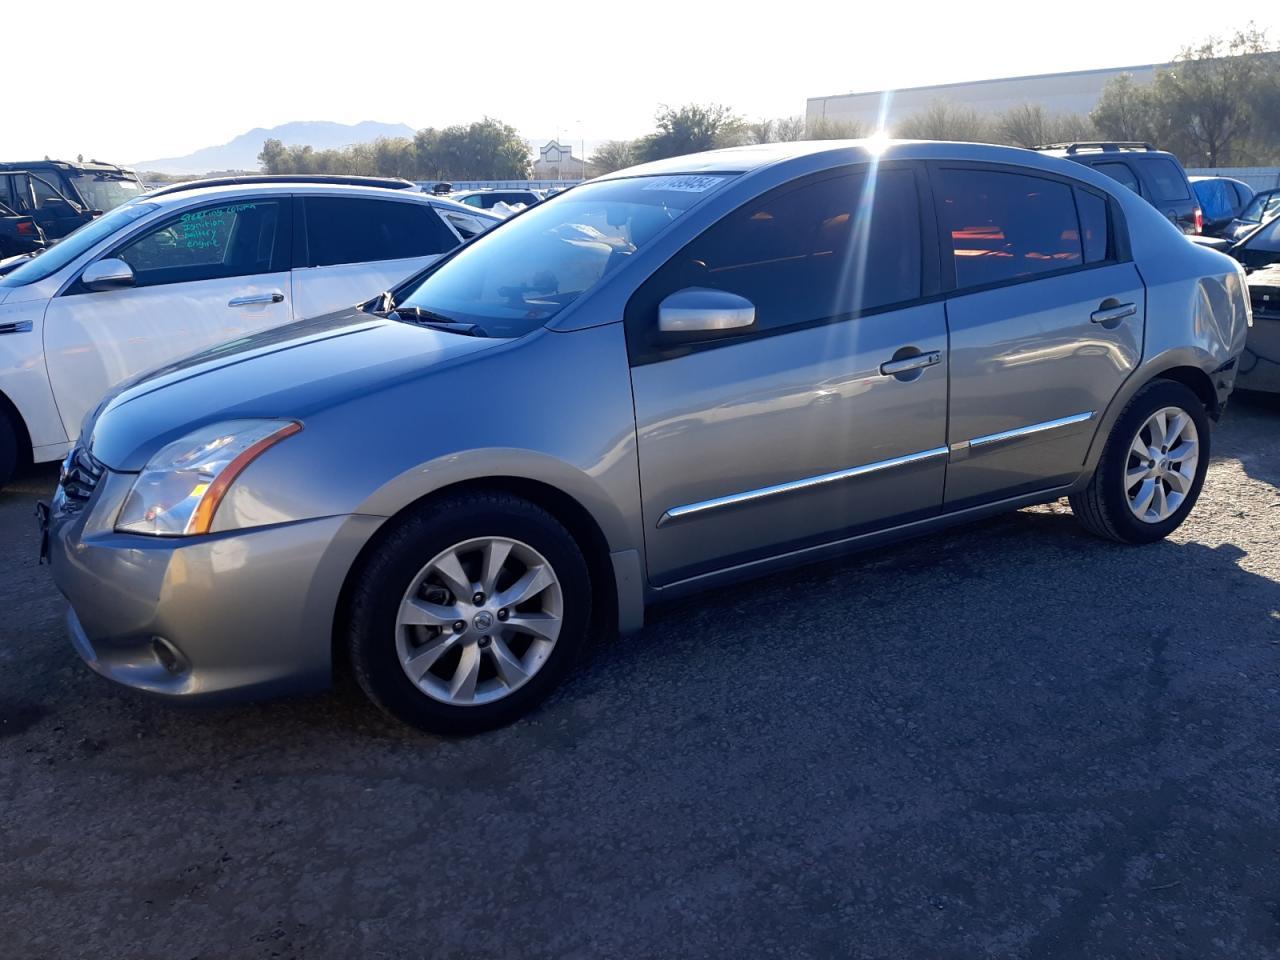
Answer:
x=228 y=616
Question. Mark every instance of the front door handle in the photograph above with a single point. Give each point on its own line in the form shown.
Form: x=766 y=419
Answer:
x=256 y=299
x=1113 y=314
x=892 y=368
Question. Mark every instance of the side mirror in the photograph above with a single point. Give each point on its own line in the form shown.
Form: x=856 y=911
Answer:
x=700 y=310
x=109 y=274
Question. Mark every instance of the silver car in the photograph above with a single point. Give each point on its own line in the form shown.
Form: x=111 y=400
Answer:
x=686 y=373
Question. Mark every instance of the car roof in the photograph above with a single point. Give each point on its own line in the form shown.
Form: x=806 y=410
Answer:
x=195 y=195
x=90 y=165
x=294 y=187
x=740 y=160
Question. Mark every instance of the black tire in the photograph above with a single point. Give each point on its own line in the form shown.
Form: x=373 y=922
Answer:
x=397 y=558
x=1103 y=506
x=8 y=448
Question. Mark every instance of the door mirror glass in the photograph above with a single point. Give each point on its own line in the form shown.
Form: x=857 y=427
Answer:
x=705 y=311
x=108 y=274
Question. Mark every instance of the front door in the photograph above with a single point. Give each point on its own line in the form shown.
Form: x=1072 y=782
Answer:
x=1046 y=323
x=796 y=432
x=209 y=274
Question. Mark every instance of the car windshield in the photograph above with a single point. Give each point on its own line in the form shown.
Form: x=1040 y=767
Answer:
x=75 y=243
x=1262 y=206
x=515 y=278
x=106 y=191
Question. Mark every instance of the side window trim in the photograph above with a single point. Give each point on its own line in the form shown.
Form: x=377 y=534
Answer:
x=1115 y=224
x=931 y=290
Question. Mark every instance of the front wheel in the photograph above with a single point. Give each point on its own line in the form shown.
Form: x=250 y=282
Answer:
x=468 y=613
x=1152 y=468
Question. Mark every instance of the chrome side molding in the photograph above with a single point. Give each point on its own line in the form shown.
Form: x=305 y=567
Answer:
x=1006 y=436
x=16 y=326
x=778 y=489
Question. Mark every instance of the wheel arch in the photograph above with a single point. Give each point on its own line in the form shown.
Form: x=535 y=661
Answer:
x=10 y=411
x=568 y=510
x=1186 y=367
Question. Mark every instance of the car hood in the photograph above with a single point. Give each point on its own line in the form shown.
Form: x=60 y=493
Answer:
x=287 y=372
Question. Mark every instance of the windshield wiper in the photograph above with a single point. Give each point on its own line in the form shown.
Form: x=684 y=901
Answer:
x=437 y=321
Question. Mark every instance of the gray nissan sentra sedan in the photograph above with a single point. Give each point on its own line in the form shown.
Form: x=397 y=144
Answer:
x=681 y=374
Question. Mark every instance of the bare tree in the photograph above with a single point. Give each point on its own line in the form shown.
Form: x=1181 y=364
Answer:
x=824 y=129
x=946 y=121
x=787 y=129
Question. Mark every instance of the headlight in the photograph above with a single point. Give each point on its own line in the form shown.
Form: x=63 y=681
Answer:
x=179 y=490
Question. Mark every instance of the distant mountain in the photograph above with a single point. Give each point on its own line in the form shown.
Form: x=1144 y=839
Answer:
x=242 y=152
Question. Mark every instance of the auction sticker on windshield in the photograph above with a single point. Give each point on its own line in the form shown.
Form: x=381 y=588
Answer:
x=686 y=184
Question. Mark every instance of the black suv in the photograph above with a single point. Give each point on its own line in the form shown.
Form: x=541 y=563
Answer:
x=1153 y=174
x=61 y=195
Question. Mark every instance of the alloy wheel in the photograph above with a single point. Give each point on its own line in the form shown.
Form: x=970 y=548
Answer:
x=1163 y=459
x=479 y=620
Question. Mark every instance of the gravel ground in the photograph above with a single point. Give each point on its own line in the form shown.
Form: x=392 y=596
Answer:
x=1011 y=740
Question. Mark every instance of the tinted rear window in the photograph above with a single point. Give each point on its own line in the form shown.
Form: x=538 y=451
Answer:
x=1007 y=226
x=1119 y=172
x=349 y=230
x=1167 y=180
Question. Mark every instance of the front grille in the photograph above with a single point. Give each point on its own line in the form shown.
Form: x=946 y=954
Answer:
x=81 y=472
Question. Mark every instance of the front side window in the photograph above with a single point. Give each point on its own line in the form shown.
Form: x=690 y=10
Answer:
x=1167 y=180
x=1120 y=172
x=517 y=276
x=1006 y=226
x=77 y=242
x=354 y=230
x=827 y=249
x=46 y=195
x=230 y=240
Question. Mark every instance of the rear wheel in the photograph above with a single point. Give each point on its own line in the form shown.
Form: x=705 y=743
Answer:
x=469 y=613
x=1152 y=468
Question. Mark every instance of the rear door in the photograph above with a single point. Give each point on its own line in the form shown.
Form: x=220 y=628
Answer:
x=357 y=247
x=1046 y=321
x=208 y=274
x=795 y=433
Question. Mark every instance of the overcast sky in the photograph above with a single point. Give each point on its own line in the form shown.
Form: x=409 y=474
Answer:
x=134 y=85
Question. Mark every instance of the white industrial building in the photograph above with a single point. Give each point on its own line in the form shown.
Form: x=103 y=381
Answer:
x=1059 y=93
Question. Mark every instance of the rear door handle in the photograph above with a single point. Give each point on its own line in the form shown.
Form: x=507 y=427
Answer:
x=891 y=368
x=1113 y=314
x=255 y=299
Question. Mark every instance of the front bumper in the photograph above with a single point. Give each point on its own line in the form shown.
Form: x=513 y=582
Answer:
x=240 y=614
x=1260 y=362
